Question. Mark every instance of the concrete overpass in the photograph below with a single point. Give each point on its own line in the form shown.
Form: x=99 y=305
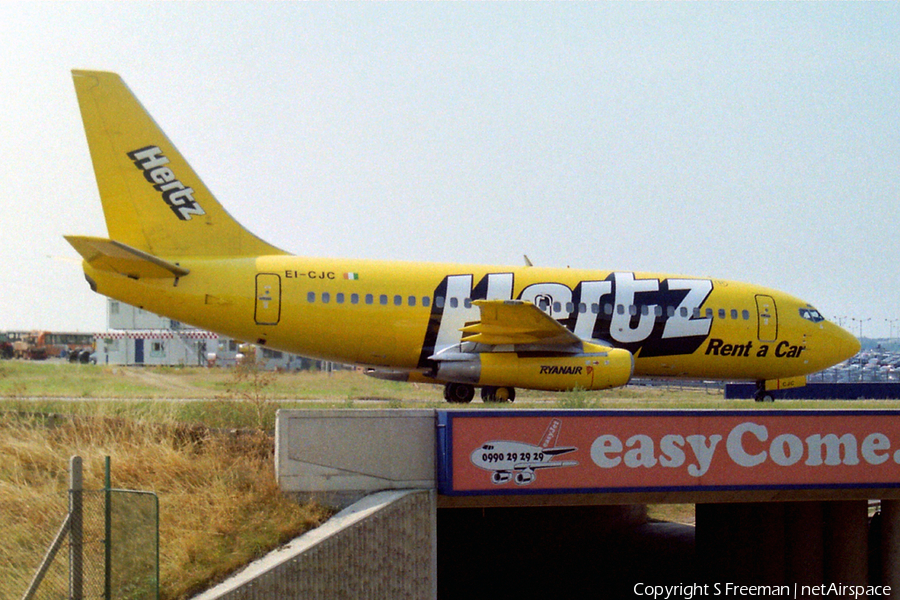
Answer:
x=511 y=503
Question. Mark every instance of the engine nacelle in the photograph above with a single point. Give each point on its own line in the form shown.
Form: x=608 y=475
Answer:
x=501 y=477
x=524 y=477
x=596 y=368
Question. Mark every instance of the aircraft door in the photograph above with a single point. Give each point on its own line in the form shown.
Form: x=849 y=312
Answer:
x=768 y=318
x=268 y=299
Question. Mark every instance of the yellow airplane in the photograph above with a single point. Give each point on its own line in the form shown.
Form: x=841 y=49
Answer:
x=174 y=250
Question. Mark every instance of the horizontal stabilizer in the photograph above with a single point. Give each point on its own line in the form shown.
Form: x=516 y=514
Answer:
x=516 y=322
x=110 y=255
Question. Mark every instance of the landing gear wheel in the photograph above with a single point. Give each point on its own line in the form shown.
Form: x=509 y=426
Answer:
x=490 y=393
x=459 y=393
x=762 y=395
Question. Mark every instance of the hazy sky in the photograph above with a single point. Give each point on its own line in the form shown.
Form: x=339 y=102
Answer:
x=756 y=142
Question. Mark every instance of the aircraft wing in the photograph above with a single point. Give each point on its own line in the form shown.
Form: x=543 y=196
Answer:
x=558 y=451
x=516 y=322
x=544 y=465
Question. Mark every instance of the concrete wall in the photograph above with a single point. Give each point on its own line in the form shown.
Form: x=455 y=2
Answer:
x=383 y=546
x=341 y=455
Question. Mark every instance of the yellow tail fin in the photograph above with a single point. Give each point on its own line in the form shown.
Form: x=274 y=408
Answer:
x=152 y=199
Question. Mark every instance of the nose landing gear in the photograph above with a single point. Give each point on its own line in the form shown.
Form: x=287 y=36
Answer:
x=762 y=394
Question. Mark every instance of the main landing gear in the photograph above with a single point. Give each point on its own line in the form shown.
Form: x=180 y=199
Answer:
x=463 y=393
x=490 y=393
x=459 y=393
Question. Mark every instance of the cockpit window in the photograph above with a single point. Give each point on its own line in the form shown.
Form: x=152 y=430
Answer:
x=811 y=314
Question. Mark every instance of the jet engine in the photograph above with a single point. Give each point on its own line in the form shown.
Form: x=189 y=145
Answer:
x=524 y=477
x=596 y=368
x=500 y=477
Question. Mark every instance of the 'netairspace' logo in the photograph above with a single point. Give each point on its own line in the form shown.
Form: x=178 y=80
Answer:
x=688 y=591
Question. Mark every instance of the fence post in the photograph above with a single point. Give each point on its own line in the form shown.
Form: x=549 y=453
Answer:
x=48 y=559
x=107 y=546
x=76 y=530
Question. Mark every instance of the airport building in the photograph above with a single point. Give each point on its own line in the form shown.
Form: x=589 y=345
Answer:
x=139 y=337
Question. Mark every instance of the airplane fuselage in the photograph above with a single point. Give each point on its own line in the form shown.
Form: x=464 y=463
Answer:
x=398 y=314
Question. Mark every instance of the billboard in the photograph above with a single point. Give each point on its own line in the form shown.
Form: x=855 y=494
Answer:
x=577 y=451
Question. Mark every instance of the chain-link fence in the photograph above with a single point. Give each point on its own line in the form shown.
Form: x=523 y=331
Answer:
x=113 y=549
x=120 y=549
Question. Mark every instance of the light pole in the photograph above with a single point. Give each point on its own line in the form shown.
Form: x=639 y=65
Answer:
x=891 y=324
x=861 y=321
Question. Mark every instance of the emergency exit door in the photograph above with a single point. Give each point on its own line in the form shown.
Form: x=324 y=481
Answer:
x=268 y=299
x=768 y=318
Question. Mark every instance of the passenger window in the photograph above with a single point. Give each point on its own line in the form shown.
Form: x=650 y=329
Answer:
x=582 y=307
x=467 y=302
x=543 y=304
x=721 y=313
x=696 y=312
x=454 y=302
x=370 y=299
x=382 y=299
x=709 y=313
x=326 y=297
x=339 y=297
x=595 y=308
x=439 y=301
x=311 y=297
x=398 y=300
x=632 y=310
x=557 y=307
x=746 y=315
x=426 y=301
x=620 y=309
x=658 y=310
x=570 y=308
x=412 y=300
x=354 y=298
x=734 y=314
x=607 y=309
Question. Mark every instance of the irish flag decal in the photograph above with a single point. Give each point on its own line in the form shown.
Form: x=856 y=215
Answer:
x=351 y=276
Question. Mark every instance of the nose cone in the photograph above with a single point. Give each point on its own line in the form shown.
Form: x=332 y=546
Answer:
x=845 y=344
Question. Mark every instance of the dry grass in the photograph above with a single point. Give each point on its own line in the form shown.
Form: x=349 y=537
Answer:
x=675 y=513
x=219 y=503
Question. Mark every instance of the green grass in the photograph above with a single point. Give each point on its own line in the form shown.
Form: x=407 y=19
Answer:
x=57 y=379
